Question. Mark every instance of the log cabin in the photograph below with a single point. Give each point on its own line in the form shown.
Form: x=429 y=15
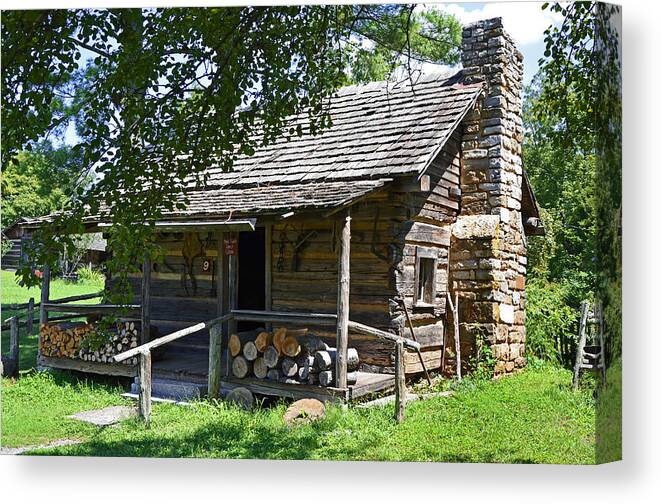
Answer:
x=412 y=204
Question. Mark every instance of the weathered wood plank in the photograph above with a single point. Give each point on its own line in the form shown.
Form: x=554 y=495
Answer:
x=215 y=355
x=371 y=331
x=100 y=368
x=144 y=391
x=400 y=382
x=145 y=301
x=45 y=293
x=342 y=341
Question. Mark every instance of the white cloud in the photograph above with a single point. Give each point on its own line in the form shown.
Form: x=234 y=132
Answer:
x=524 y=21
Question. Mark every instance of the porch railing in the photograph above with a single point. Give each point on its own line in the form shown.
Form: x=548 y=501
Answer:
x=215 y=350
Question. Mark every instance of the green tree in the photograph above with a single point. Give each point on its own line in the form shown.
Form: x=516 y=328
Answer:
x=582 y=95
x=39 y=182
x=397 y=38
x=558 y=173
x=170 y=89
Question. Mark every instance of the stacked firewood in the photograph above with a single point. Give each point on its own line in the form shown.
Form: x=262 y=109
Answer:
x=74 y=340
x=123 y=338
x=287 y=356
x=63 y=340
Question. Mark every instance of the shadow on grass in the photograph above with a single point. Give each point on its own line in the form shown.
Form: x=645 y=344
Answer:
x=250 y=439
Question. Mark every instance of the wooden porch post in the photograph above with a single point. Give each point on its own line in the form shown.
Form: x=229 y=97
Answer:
x=216 y=331
x=145 y=302
x=215 y=353
x=144 y=393
x=233 y=280
x=268 y=270
x=45 y=295
x=344 y=282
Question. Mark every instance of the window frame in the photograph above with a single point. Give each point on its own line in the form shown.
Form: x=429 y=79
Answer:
x=426 y=253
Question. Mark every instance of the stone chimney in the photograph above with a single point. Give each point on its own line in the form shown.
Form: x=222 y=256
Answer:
x=488 y=251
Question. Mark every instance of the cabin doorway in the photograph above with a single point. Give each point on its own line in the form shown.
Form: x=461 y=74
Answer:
x=252 y=274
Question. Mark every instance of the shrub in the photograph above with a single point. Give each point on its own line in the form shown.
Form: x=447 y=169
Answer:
x=6 y=247
x=549 y=317
x=90 y=275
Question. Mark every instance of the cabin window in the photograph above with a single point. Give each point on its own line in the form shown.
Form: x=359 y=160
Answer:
x=425 y=276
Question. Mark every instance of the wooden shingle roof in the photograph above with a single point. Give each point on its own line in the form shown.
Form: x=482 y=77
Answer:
x=378 y=130
x=276 y=198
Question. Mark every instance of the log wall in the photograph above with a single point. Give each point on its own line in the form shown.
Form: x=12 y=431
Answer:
x=182 y=290
x=386 y=230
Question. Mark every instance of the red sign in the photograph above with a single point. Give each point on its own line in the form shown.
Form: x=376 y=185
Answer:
x=231 y=247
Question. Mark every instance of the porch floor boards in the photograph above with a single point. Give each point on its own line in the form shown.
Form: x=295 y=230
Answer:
x=193 y=367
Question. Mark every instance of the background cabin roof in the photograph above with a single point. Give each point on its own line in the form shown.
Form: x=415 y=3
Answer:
x=381 y=129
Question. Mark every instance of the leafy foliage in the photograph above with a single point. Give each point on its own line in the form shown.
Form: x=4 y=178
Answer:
x=550 y=319
x=6 y=246
x=89 y=274
x=39 y=182
x=398 y=38
x=170 y=91
x=561 y=264
x=581 y=96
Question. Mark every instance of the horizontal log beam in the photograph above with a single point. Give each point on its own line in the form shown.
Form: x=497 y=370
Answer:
x=383 y=335
x=142 y=349
x=193 y=226
x=107 y=309
x=322 y=319
x=70 y=299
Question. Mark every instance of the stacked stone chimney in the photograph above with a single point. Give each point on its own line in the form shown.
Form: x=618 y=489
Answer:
x=488 y=251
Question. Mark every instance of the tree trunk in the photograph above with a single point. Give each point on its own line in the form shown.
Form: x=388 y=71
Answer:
x=263 y=341
x=279 y=338
x=273 y=374
x=241 y=396
x=234 y=345
x=259 y=368
x=289 y=367
x=290 y=346
x=250 y=351
x=240 y=367
x=272 y=357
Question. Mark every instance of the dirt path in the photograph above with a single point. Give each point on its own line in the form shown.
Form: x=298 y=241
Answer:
x=22 y=449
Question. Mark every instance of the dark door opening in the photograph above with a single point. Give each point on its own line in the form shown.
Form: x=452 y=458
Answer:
x=252 y=275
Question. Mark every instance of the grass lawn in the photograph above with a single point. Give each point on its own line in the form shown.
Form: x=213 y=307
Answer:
x=609 y=416
x=12 y=293
x=531 y=417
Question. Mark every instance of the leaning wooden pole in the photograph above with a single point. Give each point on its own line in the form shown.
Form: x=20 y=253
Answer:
x=581 y=343
x=344 y=283
x=400 y=382
x=454 y=308
x=422 y=361
x=602 y=344
x=45 y=294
